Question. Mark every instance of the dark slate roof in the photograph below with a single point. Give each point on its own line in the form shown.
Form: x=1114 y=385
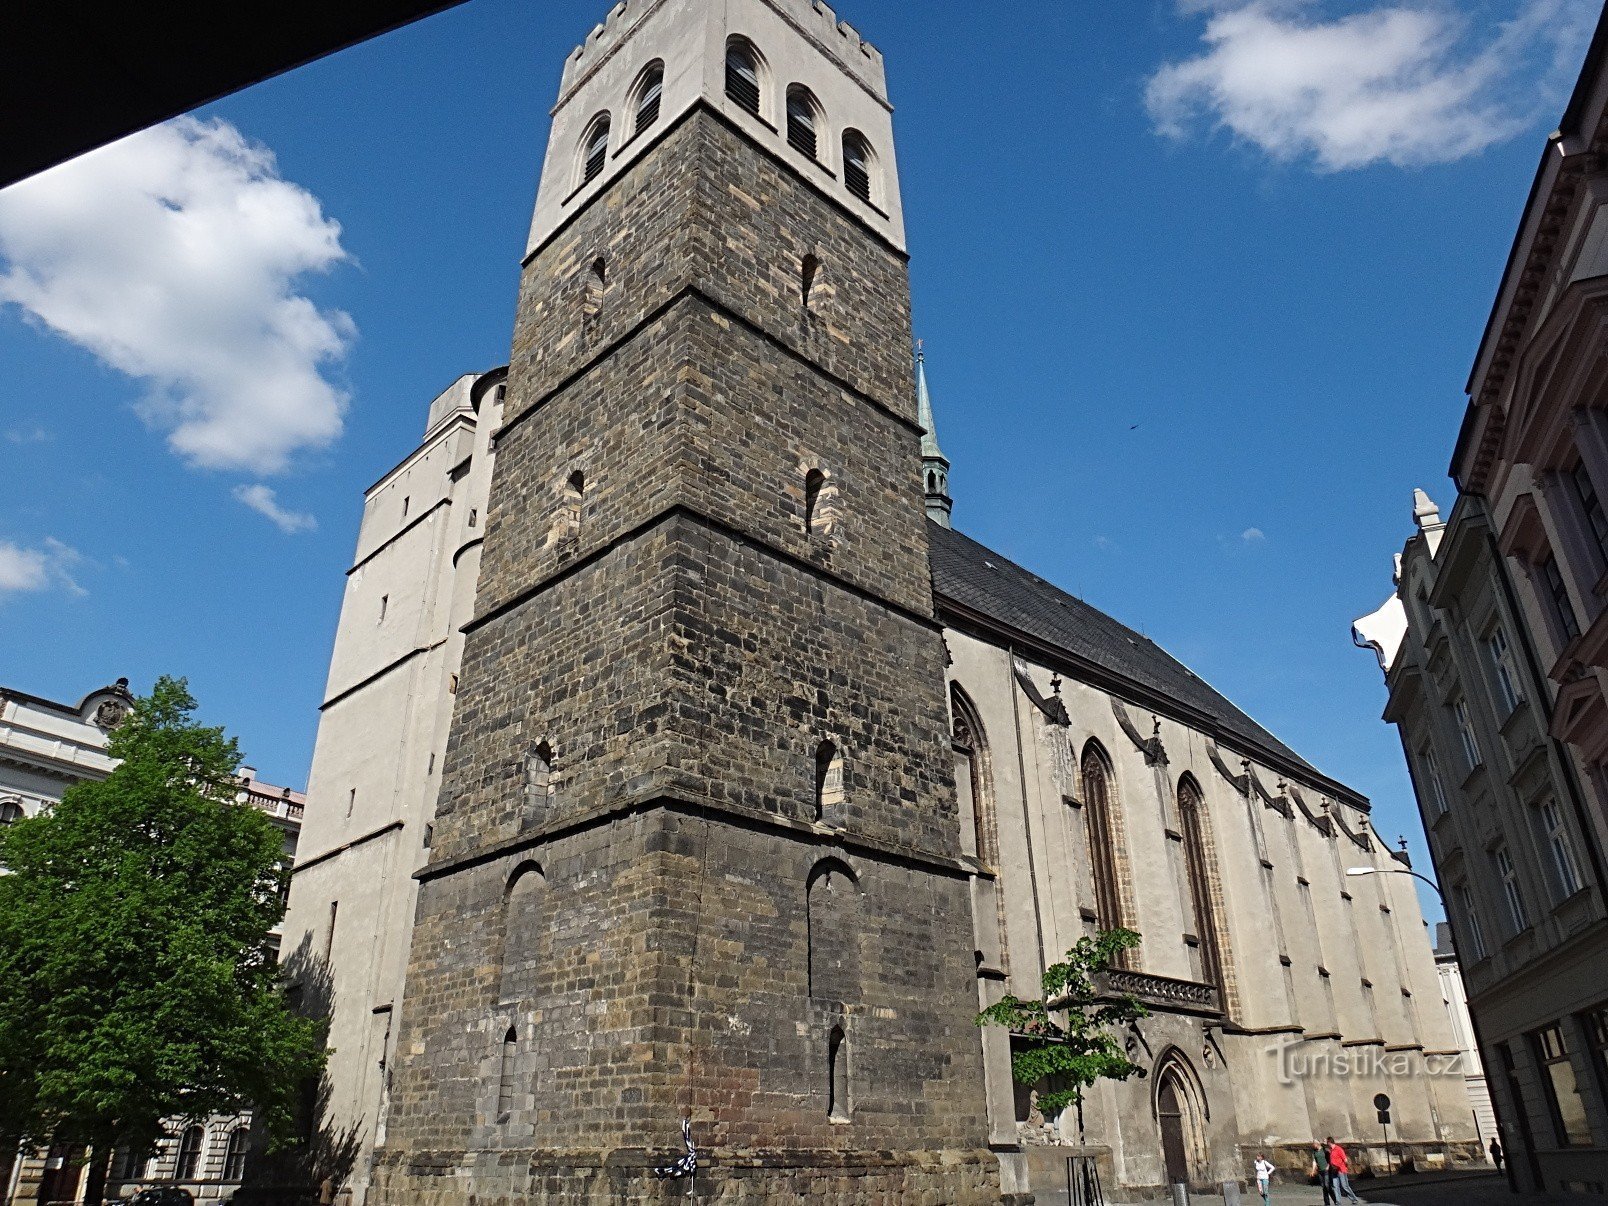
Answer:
x=979 y=580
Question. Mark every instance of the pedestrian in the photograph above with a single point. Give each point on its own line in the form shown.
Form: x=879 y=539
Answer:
x=1320 y=1170
x=1496 y=1154
x=1264 y=1174
x=1340 y=1172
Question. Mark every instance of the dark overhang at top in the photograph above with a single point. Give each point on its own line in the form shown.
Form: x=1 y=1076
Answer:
x=74 y=77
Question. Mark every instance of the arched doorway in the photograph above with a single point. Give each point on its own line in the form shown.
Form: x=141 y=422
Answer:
x=1170 y=1113
x=1180 y=1118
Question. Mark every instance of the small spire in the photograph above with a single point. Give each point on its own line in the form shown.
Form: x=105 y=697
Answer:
x=934 y=465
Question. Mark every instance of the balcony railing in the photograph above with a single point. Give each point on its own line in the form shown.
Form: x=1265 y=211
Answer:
x=1163 y=991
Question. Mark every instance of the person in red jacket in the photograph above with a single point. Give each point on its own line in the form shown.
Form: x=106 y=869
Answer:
x=1340 y=1168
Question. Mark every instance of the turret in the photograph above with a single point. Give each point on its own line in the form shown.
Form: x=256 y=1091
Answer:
x=934 y=464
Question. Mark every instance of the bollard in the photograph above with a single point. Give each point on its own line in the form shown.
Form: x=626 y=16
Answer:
x=1231 y=1193
x=1180 y=1194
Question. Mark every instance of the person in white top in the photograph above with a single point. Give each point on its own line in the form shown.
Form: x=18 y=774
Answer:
x=1264 y=1174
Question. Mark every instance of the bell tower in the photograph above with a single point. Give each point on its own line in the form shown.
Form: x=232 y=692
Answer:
x=697 y=851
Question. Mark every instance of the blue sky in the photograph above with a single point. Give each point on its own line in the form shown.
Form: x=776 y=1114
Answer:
x=1200 y=283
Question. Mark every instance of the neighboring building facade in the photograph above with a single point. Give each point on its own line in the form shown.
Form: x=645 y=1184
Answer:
x=1456 y=997
x=1495 y=647
x=720 y=780
x=45 y=748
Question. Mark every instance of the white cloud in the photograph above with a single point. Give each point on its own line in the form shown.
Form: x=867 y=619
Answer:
x=1401 y=83
x=174 y=256
x=1253 y=536
x=50 y=565
x=29 y=433
x=262 y=500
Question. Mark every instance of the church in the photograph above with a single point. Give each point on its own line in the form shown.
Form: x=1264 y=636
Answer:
x=684 y=779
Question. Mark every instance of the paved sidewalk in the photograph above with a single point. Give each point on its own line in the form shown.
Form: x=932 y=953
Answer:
x=1472 y=1188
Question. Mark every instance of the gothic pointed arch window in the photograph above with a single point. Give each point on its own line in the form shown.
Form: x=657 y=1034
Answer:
x=858 y=166
x=743 y=75
x=804 y=121
x=594 y=149
x=1200 y=869
x=648 y=95
x=971 y=775
x=1104 y=834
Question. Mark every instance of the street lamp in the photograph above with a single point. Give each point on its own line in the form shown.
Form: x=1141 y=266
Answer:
x=1397 y=871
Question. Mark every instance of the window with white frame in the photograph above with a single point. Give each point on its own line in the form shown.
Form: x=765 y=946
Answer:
x=1518 y=917
x=1505 y=669
x=1465 y=733
x=1472 y=929
x=1432 y=780
x=1565 y=866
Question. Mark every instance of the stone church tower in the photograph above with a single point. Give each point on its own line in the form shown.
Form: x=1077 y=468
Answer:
x=697 y=850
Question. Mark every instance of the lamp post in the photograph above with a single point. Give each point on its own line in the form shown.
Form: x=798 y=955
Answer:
x=1397 y=871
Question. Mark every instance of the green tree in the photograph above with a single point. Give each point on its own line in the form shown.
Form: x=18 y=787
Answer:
x=1073 y=1035
x=137 y=977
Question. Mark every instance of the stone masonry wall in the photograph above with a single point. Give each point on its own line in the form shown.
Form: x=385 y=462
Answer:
x=634 y=928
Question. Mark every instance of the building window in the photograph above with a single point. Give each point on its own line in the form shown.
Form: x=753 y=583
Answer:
x=1563 y=1093
x=1518 y=919
x=505 y=1072
x=595 y=148
x=539 y=785
x=405 y=501
x=809 y=273
x=1191 y=806
x=803 y=121
x=10 y=812
x=1505 y=670
x=833 y=927
x=1591 y=507
x=474 y=516
x=1465 y=733
x=234 y=1155
x=828 y=781
x=966 y=738
x=1101 y=833
x=385 y=606
x=1558 y=596
x=1595 y=1024
x=857 y=165
x=189 y=1154
x=1471 y=922
x=820 y=504
x=649 y=95
x=837 y=1075
x=329 y=934
x=1432 y=779
x=742 y=75
x=1564 y=864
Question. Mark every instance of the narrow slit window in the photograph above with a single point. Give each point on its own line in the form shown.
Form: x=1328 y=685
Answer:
x=828 y=780
x=814 y=500
x=505 y=1072
x=809 y=273
x=742 y=75
x=837 y=1076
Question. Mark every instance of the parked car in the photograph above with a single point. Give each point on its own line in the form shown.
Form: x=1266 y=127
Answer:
x=163 y=1195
